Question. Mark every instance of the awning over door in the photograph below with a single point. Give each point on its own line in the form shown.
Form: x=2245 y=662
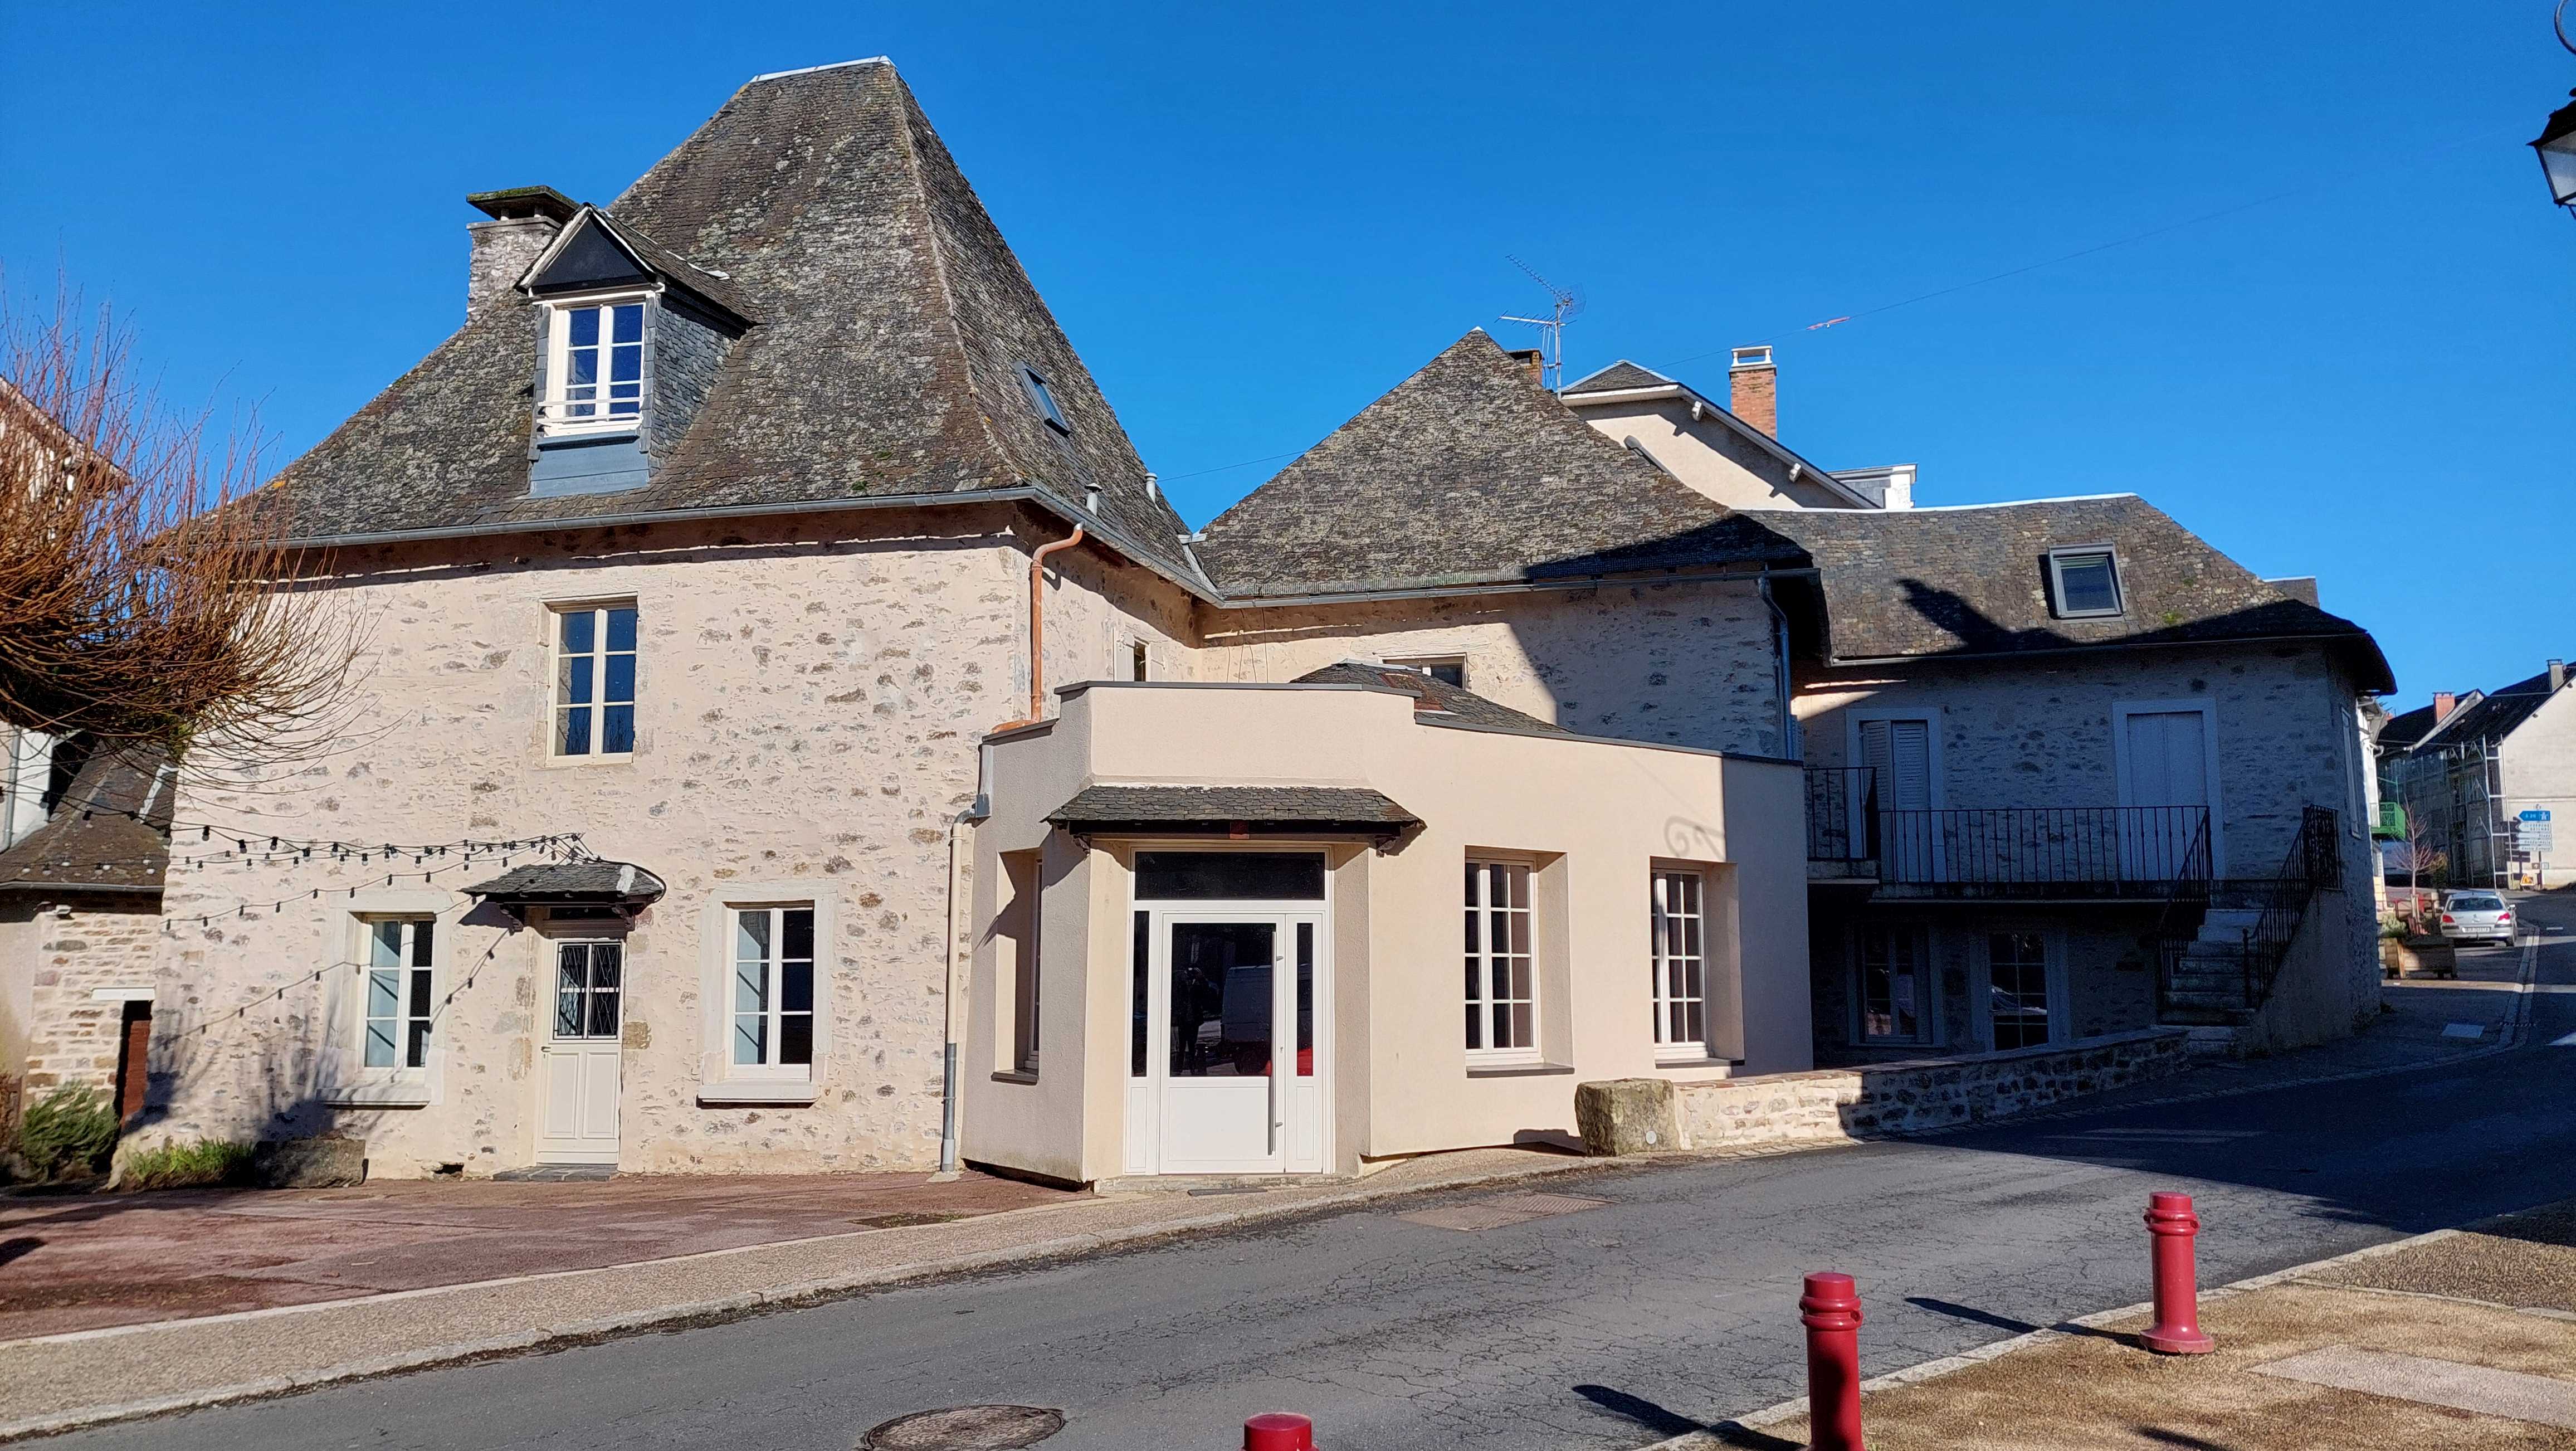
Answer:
x=1233 y=811
x=622 y=885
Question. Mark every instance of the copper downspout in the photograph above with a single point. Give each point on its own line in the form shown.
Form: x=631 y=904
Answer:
x=1037 y=629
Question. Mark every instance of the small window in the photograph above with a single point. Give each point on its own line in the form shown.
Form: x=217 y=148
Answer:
x=1447 y=669
x=590 y=988
x=2017 y=989
x=1895 y=986
x=1136 y=661
x=773 y=986
x=1017 y=931
x=1042 y=398
x=2086 y=581
x=1678 y=933
x=594 y=366
x=594 y=701
x=1502 y=991
x=400 y=992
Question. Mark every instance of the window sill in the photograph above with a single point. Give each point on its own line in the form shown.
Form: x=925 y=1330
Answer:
x=563 y=433
x=379 y=1095
x=1015 y=1077
x=1699 y=1063
x=621 y=758
x=1517 y=1070
x=784 y=1092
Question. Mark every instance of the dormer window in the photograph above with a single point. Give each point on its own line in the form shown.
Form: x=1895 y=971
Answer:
x=594 y=365
x=2085 y=582
x=1042 y=398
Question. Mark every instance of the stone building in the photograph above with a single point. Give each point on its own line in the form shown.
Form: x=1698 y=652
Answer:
x=2485 y=779
x=712 y=811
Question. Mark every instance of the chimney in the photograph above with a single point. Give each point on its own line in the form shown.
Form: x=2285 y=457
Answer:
x=2444 y=702
x=1532 y=361
x=1754 y=388
x=524 y=220
x=2557 y=674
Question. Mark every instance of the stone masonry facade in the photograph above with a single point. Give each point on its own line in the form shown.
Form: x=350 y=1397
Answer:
x=82 y=945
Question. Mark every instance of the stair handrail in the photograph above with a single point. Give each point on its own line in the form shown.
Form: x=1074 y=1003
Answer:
x=2186 y=903
x=2313 y=864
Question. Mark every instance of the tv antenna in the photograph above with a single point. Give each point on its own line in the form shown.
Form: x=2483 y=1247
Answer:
x=1563 y=307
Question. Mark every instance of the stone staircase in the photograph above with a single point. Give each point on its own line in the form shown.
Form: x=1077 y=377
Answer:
x=2206 y=987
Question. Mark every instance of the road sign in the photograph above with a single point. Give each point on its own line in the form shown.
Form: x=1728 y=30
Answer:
x=2533 y=837
x=2535 y=814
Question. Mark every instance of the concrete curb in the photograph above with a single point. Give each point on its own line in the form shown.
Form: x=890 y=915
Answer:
x=1714 y=1437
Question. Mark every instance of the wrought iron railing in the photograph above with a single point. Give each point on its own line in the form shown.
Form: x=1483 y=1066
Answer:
x=1842 y=814
x=2186 y=905
x=2041 y=851
x=2248 y=965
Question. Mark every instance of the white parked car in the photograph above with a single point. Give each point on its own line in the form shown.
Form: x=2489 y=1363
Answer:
x=2478 y=915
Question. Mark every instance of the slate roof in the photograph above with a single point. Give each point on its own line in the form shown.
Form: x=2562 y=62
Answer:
x=1468 y=472
x=583 y=881
x=892 y=321
x=1432 y=697
x=2404 y=729
x=1973 y=581
x=1621 y=374
x=91 y=841
x=1102 y=808
x=2491 y=717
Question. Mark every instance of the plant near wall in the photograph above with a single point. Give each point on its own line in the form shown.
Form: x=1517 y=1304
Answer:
x=68 y=1133
x=190 y=1165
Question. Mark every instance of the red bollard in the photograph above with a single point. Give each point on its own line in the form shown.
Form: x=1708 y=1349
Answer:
x=1278 y=1431
x=2171 y=1225
x=1831 y=1312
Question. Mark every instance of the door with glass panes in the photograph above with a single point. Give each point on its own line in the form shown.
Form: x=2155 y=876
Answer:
x=1235 y=994
x=577 y=1078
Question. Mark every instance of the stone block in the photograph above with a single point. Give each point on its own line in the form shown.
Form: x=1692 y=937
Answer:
x=1625 y=1116
x=309 y=1163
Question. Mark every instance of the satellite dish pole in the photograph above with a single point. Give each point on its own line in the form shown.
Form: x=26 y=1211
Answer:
x=1551 y=328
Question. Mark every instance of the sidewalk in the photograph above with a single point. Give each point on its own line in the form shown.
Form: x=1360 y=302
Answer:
x=2460 y=1338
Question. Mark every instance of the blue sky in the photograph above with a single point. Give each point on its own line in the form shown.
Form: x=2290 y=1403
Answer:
x=1253 y=221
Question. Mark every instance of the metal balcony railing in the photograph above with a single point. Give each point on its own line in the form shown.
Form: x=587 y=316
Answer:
x=2041 y=851
x=1842 y=814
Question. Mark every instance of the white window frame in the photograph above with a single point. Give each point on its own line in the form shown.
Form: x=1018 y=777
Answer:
x=720 y=1079
x=415 y=994
x=2052 y=958
x=1478 y=953
x=773 y=1012
x=1927 y=1000
x=552 y=419
x=2057 y=582
x=1664 y=923
x=556 y=656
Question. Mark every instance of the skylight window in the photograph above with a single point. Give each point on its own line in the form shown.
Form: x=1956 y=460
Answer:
x=2086 y=583
x=1042 y=398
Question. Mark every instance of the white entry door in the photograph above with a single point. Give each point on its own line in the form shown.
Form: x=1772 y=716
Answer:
x=2164 y=760
x=577 y=1068
x=1239 y=1087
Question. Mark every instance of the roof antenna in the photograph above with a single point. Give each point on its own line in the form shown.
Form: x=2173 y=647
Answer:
x=1551 y=328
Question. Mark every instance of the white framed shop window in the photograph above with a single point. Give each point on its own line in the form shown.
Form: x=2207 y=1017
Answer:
x=1677 y=937
x=2022 y=997
x=385 y=1002
x=1893 y=997
x=765 y=974
x=1502 y=962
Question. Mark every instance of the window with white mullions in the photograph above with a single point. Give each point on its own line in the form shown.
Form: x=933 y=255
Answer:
x=594 y=680
x=1895 y=991
x=589 y=979
x=1502 y=1007
x=1679 y=922
x=773 y=987
x=2017 y=989
x=400 y=991
x=598 y=366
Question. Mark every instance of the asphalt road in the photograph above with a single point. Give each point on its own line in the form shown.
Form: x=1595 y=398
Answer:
x=1609 y=1327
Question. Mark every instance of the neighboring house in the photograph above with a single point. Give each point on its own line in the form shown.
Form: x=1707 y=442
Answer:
x=2064 y=757
x=80 y=919
x=2487 y=779
x=715 y=814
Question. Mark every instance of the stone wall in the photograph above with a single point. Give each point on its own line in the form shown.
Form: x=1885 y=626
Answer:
x=810 y=698
x=80 y=946
x=1673 y=664
x=1917 y=1096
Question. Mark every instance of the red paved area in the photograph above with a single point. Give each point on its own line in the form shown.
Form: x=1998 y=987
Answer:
x=80 y=1262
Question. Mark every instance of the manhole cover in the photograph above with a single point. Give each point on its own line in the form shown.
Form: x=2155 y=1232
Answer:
x=965 y=1428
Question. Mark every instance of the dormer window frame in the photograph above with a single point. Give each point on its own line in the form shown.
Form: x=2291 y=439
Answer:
x=2058 y=600
x=554 y=383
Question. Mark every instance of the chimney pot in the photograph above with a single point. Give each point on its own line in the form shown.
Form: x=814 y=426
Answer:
x=1753 y=382
x=2444 y=702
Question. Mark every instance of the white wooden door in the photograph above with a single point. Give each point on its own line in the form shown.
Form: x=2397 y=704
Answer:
x=1236 y=997
x=577 y=1064
x=2165 y=763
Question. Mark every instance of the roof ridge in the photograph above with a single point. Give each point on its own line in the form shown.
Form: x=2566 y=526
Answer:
x=955 y=327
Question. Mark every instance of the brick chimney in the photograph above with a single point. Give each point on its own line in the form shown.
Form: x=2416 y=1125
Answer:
x=1754 y=388
x=524 y=220
x=2444 y=702
x=1532 y=361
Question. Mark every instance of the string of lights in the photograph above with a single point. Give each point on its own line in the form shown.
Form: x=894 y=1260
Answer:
x=551 y=847
x=278 y=994
x=246 y=842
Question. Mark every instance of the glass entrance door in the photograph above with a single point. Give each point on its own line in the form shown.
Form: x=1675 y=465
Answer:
x=1237 y=1044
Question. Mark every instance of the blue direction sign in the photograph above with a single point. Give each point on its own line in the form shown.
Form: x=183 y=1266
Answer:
x=2535 y=814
